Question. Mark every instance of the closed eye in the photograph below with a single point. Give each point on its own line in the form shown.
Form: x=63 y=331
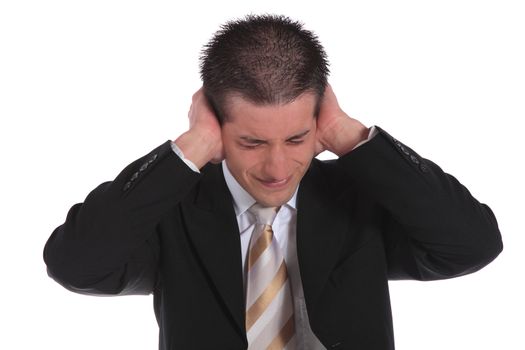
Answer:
x=298 y=139
x=250 y=146
x=295 y=141
x=250 y=143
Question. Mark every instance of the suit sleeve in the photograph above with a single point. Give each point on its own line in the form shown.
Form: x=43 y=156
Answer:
x=433 y=228
x=108 y=244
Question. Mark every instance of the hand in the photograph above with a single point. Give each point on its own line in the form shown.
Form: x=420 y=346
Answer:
x=202 y=143
x=336 y=131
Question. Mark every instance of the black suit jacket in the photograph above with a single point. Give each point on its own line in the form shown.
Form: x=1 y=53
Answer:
x=380 y=212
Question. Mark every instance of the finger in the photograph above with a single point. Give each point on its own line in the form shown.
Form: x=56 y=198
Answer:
x=197 y=95
x=190 y=111
x=329 y=94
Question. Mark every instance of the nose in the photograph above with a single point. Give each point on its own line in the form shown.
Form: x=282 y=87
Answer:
x=276 y=164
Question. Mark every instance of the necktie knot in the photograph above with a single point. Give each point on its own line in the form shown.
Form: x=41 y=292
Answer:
x=264 y=215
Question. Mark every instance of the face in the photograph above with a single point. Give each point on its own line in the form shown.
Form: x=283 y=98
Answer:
x=269 y=148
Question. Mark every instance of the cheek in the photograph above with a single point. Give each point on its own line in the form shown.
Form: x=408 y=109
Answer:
x=304 y=154
x=240 y=161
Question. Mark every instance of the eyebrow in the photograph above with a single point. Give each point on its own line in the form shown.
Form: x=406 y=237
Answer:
x=298 y=136
x=251 y=139
x=254 y=140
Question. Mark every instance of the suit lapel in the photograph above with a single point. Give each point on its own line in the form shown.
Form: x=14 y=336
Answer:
x=320 y=230
x=213 y=228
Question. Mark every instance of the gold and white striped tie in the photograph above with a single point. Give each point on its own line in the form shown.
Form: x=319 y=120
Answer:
x=269 y=305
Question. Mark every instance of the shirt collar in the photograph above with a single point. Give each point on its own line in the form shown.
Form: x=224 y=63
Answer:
x=242 y=200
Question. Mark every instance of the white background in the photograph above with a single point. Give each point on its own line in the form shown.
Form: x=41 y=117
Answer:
x=88 y=86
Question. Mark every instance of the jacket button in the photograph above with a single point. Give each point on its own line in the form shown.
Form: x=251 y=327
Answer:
x=144 y=166
x=336 y=345
x=423 y=168
x=414 y=159
x=134 y=176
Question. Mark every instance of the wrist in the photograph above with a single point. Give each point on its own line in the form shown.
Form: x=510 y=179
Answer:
x=344 y=136
x=197 y=147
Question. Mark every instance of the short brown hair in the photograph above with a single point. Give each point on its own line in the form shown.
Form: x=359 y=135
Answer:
x=267 y=59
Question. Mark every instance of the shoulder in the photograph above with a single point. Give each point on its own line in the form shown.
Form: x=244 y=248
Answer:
x=327 y=172
x=326 y=179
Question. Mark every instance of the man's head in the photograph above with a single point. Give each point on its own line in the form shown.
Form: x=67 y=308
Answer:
x=267 y=59
x=264 y=77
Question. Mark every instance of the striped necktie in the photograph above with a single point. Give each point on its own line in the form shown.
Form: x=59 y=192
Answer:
x=269 y=304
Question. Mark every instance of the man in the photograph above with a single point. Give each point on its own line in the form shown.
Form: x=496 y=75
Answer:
x=244 y=238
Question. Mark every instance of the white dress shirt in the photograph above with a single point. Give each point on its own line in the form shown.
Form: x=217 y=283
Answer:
x=284 y=229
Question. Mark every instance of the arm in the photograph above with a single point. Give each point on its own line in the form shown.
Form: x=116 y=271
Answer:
x=433 y=227
x=108 y=244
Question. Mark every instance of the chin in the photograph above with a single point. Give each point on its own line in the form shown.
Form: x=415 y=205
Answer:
x=273 y=201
